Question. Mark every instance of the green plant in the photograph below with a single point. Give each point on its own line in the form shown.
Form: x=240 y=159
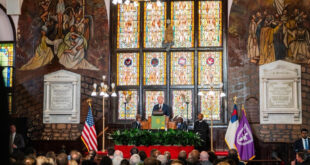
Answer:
x=146 y=137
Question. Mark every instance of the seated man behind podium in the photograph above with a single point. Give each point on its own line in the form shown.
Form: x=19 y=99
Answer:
x=137 y=124
x=161 y=107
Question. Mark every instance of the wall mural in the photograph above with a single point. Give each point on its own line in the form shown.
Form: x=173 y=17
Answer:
x=61 y=31
x=276 y=30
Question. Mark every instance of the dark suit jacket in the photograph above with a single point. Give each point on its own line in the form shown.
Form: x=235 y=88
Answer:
x=202 y=128
x=19 y=142
x=165 y=109
x=298 y=146
x=135 y=124
x=182 y=126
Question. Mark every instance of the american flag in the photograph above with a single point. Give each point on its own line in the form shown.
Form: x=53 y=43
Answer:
x=89 y=135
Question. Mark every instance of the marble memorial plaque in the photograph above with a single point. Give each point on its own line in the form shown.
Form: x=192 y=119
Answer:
x=62 y=97
x=280 y=93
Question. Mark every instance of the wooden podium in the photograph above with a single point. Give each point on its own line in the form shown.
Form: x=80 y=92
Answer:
x=148 y=124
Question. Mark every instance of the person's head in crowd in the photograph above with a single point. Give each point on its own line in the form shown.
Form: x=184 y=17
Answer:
x=168 y=155
x=62 y=159
x=124 y=162
x=76 y=155
x=92 y=154
x=233 y=154
x=117 y=160
x=182 y=155
x=212 y=156
x=118 y=153
x=162 y=159
x=300 y=157
x=134 y=150
x=142 y=155
x=304 y=133
x=151 y=161
x=40 y=160
x=106 y=160
x=30 y=151
x=29 y=161
x=195 y=154
x=51 y=154
x=72 y=162
x=111 y=152
x=154 y=153
x=134 y=159
x=177 y=162
x=204 y=156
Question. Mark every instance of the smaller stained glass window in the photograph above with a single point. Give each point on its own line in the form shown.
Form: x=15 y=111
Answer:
x=154 y=24
x=128 y=26
x=210 y=68
x=182 y=68
x=151 y=100
x=6 y=60
x=155 y=68
x=210 y=104
x=127 y=69
x=131 y=100
x=179 y=105
x=182 y=21
x=210 y=23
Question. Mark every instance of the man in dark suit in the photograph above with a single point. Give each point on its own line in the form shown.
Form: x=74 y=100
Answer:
x=16 y=141
x=137 y=123
x=303 y=144
x=161 y=107
x=202 y=128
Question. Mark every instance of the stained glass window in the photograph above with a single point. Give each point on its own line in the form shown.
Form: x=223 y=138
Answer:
x=210 y=102
x=6 y=60
x=182 y=21
x=210 y=23
x=151 y=100
x=182 y=68
x=127 y=69
x=179 y=106
x=155 y=68
x=210 y=68
x=154 y=24
x=128 y=26
x=131 y=104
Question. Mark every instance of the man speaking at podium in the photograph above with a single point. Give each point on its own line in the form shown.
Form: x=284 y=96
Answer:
x=161 y=108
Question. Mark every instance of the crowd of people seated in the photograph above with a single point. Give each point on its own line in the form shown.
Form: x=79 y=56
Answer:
x=115 y=157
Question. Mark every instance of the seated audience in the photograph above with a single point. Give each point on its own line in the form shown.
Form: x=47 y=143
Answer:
x=204 y=158
x=154 y=153
x=301 y=159
x=212 y=156
x=182 y=156
x=177 y=162
x=151 y=161
x=124 y=162
x=117 y=160
x=29 y=161
x=134 y=159
x=72 y=162
x=142 y=155
x=168 y=155
x=62 y=159
x=162 y=159
x=75 y=155
x=134 y=150
x=118 y=153
x=106 y=161
x=233 y=154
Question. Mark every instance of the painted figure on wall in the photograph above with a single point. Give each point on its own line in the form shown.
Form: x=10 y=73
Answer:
x=66 y=34
x=280 y=34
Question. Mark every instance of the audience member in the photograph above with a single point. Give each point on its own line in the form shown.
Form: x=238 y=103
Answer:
x=204 y=158
x=212 y=156
x=154 y=153
x=168 y=155
x=88 y=162
x=301 y=159
x=51 y=155
x=134 y=150
x=151 y=161
x=76 y=155
x=62 y=159
x=124 y=162
x=192 y=159
x=106 y=160
x=233 y=154
x=177 y=162
x=117 y=160
x=29 y=161
x=111 y=152
x=134 y=159
x=30 y=151
x=142 y=155
x=162 y=159
x=182 y=156
x=118 y=153
x=72 y=162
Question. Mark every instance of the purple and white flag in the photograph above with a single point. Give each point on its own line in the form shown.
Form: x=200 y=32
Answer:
x=244 y=141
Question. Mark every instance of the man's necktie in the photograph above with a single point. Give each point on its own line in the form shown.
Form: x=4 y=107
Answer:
x=306 y=144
